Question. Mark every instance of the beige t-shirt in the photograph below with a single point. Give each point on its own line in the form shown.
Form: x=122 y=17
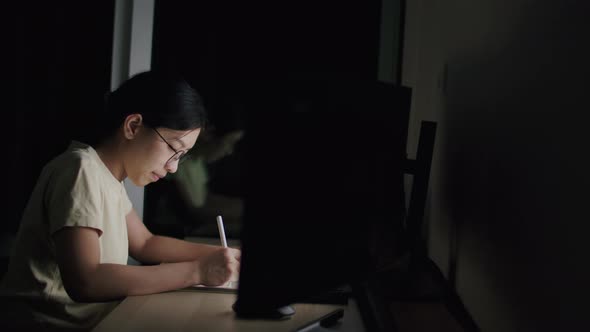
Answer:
x=74 y=189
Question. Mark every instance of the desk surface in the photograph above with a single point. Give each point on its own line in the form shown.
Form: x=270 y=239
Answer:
x=189 y=310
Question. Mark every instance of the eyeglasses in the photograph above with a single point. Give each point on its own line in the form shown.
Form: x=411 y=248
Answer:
x=179 y=155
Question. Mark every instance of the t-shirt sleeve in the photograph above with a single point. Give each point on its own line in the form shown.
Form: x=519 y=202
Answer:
x=74 y=198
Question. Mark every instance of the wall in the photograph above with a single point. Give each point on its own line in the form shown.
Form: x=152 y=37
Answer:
x=507 y=83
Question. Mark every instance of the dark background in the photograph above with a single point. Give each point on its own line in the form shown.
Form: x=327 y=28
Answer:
x=213 y=41
x=58 y=59
x=57 y=64
x=226 y=49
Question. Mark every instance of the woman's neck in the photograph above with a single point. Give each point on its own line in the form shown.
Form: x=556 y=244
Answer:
x=109 y=153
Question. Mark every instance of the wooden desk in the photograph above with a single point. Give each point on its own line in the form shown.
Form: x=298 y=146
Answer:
x=192 y=310
x=189 y=310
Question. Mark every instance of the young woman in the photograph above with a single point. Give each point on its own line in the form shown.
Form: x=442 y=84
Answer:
x=69 y=263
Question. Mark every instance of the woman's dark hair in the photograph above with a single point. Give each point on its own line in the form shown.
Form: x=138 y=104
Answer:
x=164 y=100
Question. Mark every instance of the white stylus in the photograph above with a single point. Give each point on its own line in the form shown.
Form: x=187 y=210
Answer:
x=221 y=231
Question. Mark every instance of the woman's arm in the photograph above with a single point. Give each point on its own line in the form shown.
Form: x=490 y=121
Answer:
x=87 y=280
x=149 y=248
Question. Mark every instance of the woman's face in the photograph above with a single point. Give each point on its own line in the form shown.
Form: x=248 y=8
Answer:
x=150 y=151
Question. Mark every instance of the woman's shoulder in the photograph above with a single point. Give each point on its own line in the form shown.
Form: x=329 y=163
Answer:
x=73 y=156
x=77 y=159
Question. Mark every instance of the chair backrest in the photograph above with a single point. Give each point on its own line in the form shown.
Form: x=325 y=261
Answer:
x=419 y=169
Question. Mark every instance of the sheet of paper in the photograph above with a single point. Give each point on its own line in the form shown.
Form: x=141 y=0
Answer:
x=230 y=287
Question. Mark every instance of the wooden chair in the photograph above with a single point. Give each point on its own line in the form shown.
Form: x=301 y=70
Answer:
x=406 y=280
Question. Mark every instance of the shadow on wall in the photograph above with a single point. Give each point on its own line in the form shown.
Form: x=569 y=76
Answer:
x=517 y=117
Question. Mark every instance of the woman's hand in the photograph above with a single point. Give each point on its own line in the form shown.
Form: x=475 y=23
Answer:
x=219 y=267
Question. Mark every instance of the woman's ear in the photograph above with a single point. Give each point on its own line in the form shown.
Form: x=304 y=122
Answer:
x=131 y=125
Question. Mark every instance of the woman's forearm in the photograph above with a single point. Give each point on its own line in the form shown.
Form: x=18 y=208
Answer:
x=162 y=249
x=109 y=282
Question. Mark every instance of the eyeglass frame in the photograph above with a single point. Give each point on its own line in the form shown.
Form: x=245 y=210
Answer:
x=181 y=153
